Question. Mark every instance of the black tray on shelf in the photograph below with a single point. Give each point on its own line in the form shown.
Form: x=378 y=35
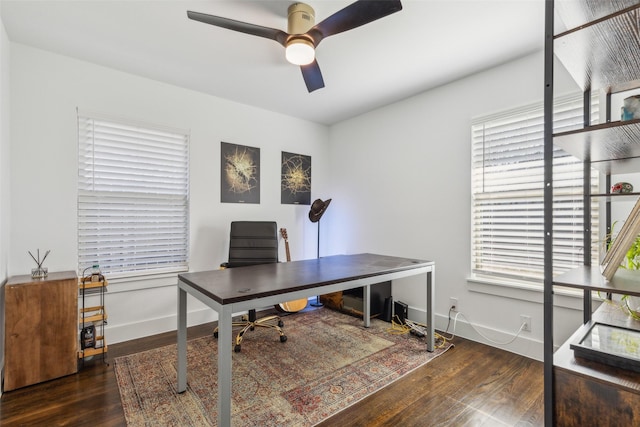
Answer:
x=611 y=345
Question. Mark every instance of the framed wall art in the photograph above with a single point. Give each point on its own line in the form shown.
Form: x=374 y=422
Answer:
x=609 y=344
x=239 y=173
x=295 y=187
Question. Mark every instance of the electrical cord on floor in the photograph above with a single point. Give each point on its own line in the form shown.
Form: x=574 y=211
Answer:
x=455 y=321
x=398 y=328
x=418 y=329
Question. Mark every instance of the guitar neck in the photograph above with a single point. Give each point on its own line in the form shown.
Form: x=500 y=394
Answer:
x=286 y=248
x=285 y=236
x=291 y=306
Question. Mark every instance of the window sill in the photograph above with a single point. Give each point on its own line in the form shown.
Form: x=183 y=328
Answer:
x=526 y=291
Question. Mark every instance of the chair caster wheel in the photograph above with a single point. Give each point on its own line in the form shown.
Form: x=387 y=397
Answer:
x=237 y=348
x=215 y=334
x=280 y=323
x=283 y=338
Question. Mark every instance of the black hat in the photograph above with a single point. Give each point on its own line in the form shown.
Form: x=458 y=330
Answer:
x=317 y=209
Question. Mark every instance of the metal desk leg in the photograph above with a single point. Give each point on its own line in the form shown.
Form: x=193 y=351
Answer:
x=224 y=366
x=182 y=340
x=431 y=318
x=366 y=290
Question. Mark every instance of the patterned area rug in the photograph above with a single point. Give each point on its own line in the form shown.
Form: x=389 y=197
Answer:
x=329 y=362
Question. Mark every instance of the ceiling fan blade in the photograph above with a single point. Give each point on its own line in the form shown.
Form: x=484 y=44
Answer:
x=312 y=76
x=355 y=15
x=243 y=27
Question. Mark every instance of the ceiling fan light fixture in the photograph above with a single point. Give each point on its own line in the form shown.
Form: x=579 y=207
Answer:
x=300 y=52
x=303 y=35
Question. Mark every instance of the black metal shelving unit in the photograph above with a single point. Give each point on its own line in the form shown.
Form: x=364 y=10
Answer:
x=598 y=42
x=95 y=315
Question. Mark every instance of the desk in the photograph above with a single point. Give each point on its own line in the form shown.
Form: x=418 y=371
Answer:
x=235 y=290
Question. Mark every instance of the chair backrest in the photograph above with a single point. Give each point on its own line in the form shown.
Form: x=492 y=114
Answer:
x=253 y=242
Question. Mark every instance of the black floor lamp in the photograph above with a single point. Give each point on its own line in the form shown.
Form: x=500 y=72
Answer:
x=317 y=210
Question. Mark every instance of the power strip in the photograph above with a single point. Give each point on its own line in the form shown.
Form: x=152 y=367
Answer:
x=416 y=328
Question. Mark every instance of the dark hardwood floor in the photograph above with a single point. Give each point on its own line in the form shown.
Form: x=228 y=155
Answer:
x=472 y=384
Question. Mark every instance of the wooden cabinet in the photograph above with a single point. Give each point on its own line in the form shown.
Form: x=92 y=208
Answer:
x=585 y=390
x=40 y=328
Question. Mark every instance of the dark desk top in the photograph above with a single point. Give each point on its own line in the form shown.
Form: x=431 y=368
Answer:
x=240 y=284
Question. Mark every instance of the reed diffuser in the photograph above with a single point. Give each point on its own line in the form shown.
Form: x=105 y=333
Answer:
x=39 y=272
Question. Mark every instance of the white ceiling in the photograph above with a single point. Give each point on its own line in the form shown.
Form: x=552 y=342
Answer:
x=427 y=44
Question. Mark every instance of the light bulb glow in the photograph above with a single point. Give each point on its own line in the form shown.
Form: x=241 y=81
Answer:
x=300 y=52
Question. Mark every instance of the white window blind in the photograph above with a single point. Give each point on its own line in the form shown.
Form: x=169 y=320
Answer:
x=507 y=187
x=133 y=197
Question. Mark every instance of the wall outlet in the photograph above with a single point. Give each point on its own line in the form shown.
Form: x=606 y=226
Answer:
x=453 y=302
x=526 y=320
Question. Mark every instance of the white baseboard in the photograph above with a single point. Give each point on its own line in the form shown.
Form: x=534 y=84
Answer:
x=523 y=345
x=134 y=330
x=131 y=331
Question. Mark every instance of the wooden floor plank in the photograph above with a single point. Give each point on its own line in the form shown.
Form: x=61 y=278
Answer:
x=471 y=384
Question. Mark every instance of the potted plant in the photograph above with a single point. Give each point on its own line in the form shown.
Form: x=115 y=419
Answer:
x=630 y=304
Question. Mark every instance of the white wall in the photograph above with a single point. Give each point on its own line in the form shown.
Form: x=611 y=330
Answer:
x=47 y=88
x=399 y=178
x=401 y=186
x=4 y=176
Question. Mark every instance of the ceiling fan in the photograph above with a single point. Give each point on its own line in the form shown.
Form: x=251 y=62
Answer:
x=302 y=36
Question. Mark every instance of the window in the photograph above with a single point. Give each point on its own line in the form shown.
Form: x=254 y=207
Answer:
x=507 y=191
x=133 y=197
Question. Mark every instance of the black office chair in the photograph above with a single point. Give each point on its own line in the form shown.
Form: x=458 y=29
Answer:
x=252 y=243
